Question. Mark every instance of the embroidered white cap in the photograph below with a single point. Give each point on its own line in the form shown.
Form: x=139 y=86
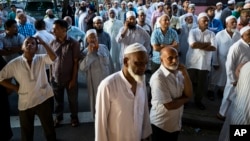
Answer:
x=229 y=18
x=130 y=13
x=136 y=47
x=90 y=31
x=231 y=2
x=201 y=15
x=218 y=3
x=96 y=18
x=244 y=29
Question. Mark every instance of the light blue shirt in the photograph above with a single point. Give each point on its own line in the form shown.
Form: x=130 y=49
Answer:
x=157 y=38
x=76 y=33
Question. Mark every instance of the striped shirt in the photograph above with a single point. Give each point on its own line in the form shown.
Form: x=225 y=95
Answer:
x=27 y=29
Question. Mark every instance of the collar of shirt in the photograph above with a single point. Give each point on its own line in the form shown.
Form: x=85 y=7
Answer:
x=66 y=39
x=125 y=80
x=165 y=71
x=245 y=42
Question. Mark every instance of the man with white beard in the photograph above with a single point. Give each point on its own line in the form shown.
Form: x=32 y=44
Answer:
x=171 y=88
x=121 y=103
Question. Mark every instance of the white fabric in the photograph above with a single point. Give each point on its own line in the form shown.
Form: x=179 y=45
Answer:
x=182 y=19
x=217 y=14
x=218 y=3
x=201 y=15
x=120 y=114
x=165 y=87
x=231 y=2
x=244 y=29
x=160 y=4
x=112 y=27
x=81 y=23
x=229 y=18
x=238 y=53
x=191 y=5
x=91 y=31
x=130 y=3
x=136 y=47
x=224 y=42
x=130 y=13
x=197 y=58
x=96 y=18
x=34 y=87
x=49 y=23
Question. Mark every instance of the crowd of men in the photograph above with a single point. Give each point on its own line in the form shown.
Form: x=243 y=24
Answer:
x=184 y=53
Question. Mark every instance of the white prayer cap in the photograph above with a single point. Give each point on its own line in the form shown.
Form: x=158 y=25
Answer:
x=163 y=16
x=136 y=47
x=247 y=1
x=218 y=3
x=130 y=3
x=229 y=18
x=100 y=5
x=201 y=15
x=231 y=2
x=160 y=4
x=112 y=9
x=96 y=18
x=141 y=11
x=130 y=13
x=115 y=1
x=188 y=15
x=48 y=10
x=123 y=2
x=191 y=5
x=90 y=31
x=18 y=10
x=246 y=6
x=244 y=29
x=174 y=3
x=83 y=2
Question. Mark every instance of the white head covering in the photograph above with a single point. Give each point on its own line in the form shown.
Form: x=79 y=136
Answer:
x=163 y=16
x=136 y=47
x=174 y=3
x=97 y=18
x=123 y=2
x=191 y=5
x=229 y=18
x=19 y=10
x=231 y=2
x=246 y=6
x=82 y=2
x=244 y=29
x=160 y=4
x=130 y=3
x=47 y=11
x=100 y=5
x=218 y=3
x=112 y=9
x=188 y=15
x=247 y=1
x=130 y=13
x=90 y=31
x=141 y=11
x=201 y=15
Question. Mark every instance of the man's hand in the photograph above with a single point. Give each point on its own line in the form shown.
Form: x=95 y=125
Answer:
x=72 y=84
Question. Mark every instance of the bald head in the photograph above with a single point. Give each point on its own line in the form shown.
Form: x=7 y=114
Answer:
x=68 y=20
x=170 y=58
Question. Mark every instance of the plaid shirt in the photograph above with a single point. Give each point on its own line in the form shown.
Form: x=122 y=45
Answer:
x=26 y=30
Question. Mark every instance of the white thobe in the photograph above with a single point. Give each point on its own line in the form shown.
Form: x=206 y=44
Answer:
x=112 y=27
x=121 y=115
x=238 y=53
x=224 y=42
x=97 y=66
x=81 y=23
x=49 y=23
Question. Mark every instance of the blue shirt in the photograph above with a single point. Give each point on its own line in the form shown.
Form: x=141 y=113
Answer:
x=157 y=38
x=27 y=29
x=215 y=25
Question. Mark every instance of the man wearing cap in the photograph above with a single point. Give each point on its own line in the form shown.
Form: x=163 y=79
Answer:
x=141 y=21
x=49 y=20
x=112 y=27
x=116 y=6
x=185 y=29
x=191 y=9
x=121 y=105
x=218 y=10
x=199 y=56
x=171 y=88
x=214 y=25
x=225 y=39
x=157 y=13
x=97 y=64
x=131 y=33
x=227 y=11
x=238 y=53
x=244 y=19
x=103 y=13
x=238 y=8
x=162 y=37
x=103 y=37
x=82 y=12
x=130 y=8
x=122 y=12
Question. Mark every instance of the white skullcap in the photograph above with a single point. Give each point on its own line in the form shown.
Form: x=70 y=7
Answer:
x=218 y=3
x=130 y=13
x=174 y=3
x=191 y=5
x=140 y=11
x=83 y=2
x=112 y=9
x=188 y=15
x=244 y=29
x=130 y=3
x=90 y=31
x=115 y=1
x=160 y=4
x=229 y=18
x=247 y=1
x=136 y=47
x=123 y=2
x=100 y=5
x=19 y=10
x=47 y=11
x=201 y=15
x=231 y=2
x=246 y=6
x=97 y=18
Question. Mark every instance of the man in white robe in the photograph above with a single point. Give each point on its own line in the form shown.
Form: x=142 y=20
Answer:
x=122 y=112
x=112 y=27
x=225 y=39
x=82 y=14
x=238 y=53
x=97 y=64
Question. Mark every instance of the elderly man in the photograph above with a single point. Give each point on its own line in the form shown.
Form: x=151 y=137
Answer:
x=162 y=37
x=121 y=104
x=238 y=53
x=171 y=88
x=112 y=27
x=103 y=37
x=97 y=64
x=49 y=19
x=25 y=28
x=225 y=39
x=199 y=56
x=10 y=41
x=64 y=72
x=131 y=33
x=34 y=90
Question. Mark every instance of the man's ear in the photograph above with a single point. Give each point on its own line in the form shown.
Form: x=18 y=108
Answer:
x=125 y=61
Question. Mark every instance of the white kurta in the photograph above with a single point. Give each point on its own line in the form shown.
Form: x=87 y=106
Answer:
x=120 y=114
x=97 y=66
x=112 y=27
x=81 y=24
x=224 y=42
x=238 y=53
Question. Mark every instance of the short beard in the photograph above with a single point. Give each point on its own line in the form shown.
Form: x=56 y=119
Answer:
x=131 y=26
x=83 y=9
x=137 y=78
x=99 y=30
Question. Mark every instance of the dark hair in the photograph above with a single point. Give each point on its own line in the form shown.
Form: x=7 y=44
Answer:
x=34 y=38
x=12 y=6
x=40 y=24
x=209 y=8
x=61 y=23
x=9 y=23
